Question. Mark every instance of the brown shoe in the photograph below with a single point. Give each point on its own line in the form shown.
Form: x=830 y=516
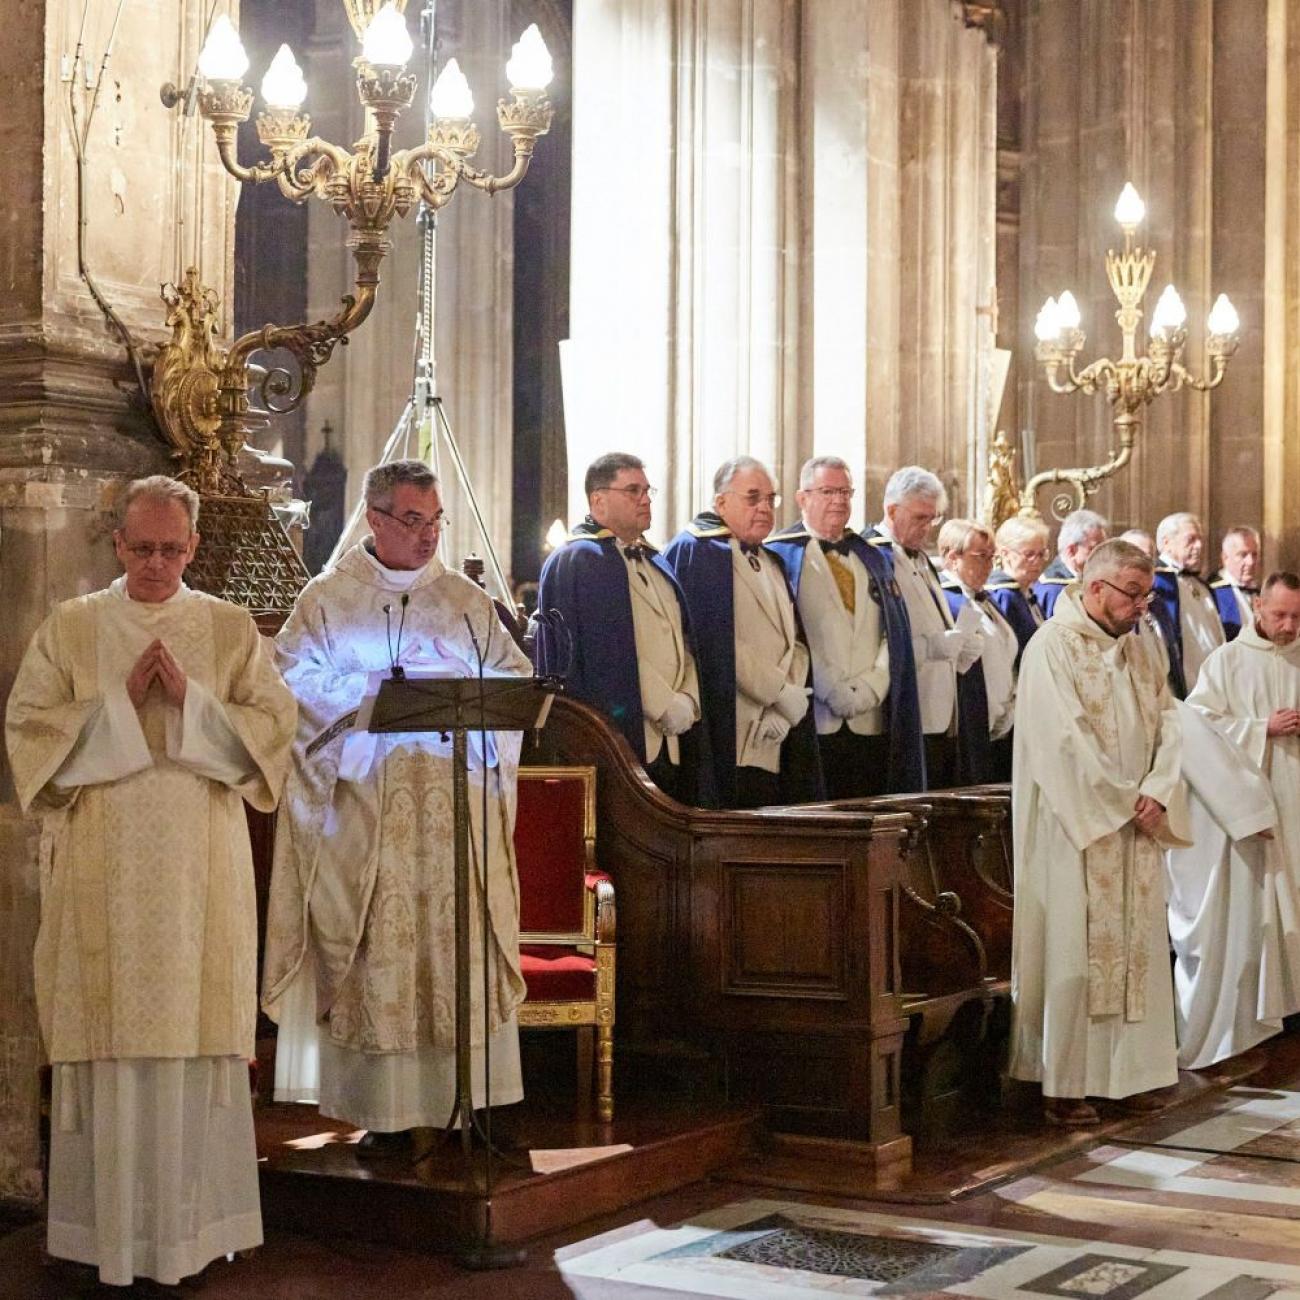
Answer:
x=1070 y=1112
x=1144 y=1103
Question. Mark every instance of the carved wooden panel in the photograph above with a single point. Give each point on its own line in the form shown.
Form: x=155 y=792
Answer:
x=783 y=929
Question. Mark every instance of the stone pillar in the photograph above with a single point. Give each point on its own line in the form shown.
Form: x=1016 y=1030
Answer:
x=72 y=426
x=809 y=194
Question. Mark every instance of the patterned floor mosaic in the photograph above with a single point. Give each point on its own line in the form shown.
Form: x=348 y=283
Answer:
x=1202 y=1207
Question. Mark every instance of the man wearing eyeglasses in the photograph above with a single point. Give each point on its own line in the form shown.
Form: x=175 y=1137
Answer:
x=631 y=632
x=141 y=719
x=865 y=704
x=360 y=951
x=1096 y=797
x=753 y=659
x=1186 y=596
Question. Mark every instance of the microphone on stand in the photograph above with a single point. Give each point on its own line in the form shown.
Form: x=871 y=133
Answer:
x=395 y=670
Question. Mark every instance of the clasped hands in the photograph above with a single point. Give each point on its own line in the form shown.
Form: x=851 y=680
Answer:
x=1147 y=814
x=156 y=664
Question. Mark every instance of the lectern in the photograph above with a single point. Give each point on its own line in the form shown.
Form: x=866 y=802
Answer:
x=459 y=705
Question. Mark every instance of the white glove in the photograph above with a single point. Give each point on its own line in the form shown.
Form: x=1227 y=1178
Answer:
x=970 y=652
x=772 y=727
x=792 y=703
x=946 y=645
x=842 y=700
x=678 y=717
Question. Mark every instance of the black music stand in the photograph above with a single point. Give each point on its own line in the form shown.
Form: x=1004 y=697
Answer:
x=460 y=705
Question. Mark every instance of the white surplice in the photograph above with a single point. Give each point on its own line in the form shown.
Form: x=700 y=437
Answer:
x=146 y=957
x=1240 y=685
x=1233 y=913
x=1069 y=794
x=360 y=955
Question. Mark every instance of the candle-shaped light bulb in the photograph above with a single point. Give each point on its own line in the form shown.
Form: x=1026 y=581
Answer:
x=1223 y=317
x=284 y=86
x=556 y=535
x=450 y=97
x=222 y=57
x=1170 y=315
x=387 y=43
x=529 y=68
x=1047 y=326
x=1067 y=312
x=1130 y=209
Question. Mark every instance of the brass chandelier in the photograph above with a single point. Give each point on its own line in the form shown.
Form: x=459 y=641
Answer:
x=200 y=390
x=1130 y=384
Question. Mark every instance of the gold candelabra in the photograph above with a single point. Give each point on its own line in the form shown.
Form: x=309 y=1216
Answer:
x=1129 y=384
x=200 y=390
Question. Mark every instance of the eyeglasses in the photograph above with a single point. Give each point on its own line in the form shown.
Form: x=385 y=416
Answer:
x=635 y=491
x=1142 y=600
x=416 y=523
x=170 y=551
x=756 y=498
x=978 y=555
x=1028 y=555
x=833 y=494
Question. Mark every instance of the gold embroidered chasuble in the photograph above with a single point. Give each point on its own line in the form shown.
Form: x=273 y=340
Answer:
x=1093 y=1005
x=364 y=848
x=148 y=938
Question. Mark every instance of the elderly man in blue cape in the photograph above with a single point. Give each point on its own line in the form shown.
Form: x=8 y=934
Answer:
x=1237 y=585
x=1185 y=595
x=1157 y=621
x=943 y=647
x=631 y=632
x=865 y=705
x=754 y=661
x=1082 y=531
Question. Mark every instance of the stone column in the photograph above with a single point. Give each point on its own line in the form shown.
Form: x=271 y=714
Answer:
x=72 y=426
x=808 y=191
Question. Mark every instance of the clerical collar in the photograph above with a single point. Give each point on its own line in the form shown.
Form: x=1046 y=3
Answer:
x=118 y=588
x=399 y=579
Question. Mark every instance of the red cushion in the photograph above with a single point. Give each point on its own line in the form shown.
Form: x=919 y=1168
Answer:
x=557 y=974
x=552 y=854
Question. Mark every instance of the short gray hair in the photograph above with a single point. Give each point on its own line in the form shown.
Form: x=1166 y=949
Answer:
x=382 y=480
x=913 y=481
x=730 y=468
x=1172 y=524
x=1114 y=557
x=1138 y=537
x=955 y=535
x=158 y=487
x=1076 y=526
x=1244 y=531
x=1020 y=528
x=808 y=472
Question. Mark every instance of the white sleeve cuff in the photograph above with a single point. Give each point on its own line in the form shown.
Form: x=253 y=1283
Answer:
x=111 y=745
x=201 y=738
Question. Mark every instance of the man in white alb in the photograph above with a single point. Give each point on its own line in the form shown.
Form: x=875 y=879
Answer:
x=1096 y=793
x=1234 y=909
x=360 y=938
x=141 y=718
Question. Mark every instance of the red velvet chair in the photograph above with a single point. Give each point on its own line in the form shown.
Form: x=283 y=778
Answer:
x=566 y=919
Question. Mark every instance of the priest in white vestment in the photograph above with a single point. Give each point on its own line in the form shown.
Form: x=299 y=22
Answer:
x=360 y=955
x=1096 y=792
x=141 y=718
x=1239 y=950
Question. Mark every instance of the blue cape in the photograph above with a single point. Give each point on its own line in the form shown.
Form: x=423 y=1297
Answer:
x=1166 y=609
x=700 y=555
x=586 y=580
x=1055 y=578
x=903 y=706
x=1013 y=605
x=1225 y=599
x=973 y=741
